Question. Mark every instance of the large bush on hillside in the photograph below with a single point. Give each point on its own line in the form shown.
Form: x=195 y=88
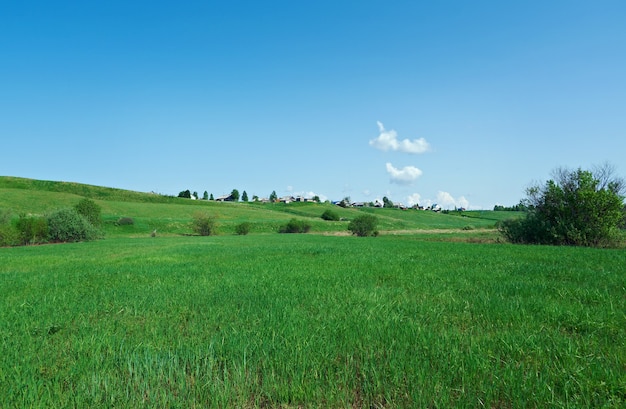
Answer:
x=67 y=225
x=32 y=229
x=8 y=234
x=581 y=208
x=364 y=225
x=243 y=228
x=330 y=215
x=90 y=210
x=295 y=226
x=204 y=225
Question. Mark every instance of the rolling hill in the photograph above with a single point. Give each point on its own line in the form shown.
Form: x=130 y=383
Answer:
x=172 y=215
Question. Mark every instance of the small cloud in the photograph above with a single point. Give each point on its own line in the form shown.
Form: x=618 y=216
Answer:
x=388 y=140
x=446 y=200
x=404 y=176
x=414 y=199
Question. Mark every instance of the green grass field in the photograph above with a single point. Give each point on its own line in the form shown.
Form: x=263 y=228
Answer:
x=305 y=320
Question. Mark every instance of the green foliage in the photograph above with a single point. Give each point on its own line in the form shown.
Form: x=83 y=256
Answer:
x=364 y=225
x=32 y=229
x=211 y=197
x=575 y=209
x=8 y=235
x=330 y=215
x=295 y=226
x=204 y=225
x=90 y=210
x=5 y=216
x=125 y=221
x=387 y=203
x=520 y=207
x=243 y=228
x=67 y=225
x=235 y=195
x=244 y=196
x=273 y=196
x=185 y=194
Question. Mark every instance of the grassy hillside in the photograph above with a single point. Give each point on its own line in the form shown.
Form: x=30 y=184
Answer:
x=171 y=215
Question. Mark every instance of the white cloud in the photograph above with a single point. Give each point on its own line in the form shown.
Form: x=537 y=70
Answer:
x=414 y=199
x=446 y=200
x=404 y=176
x=388 y=140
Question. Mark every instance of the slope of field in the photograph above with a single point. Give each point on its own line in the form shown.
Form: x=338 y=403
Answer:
x=169 y=215
x=309 y=321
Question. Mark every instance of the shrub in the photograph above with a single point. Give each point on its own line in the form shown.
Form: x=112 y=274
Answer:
x=32 y=230
x=204 y=225
x=243 y=228
x=67 y=225
x=90 y=210
x=295 y=226
x=330 y=215
x=5 y=217
x=125 y=221
x=8 y=235
x=576 y=208
x=364 y=225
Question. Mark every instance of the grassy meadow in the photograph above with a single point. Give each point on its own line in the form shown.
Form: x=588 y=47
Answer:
x=406 y=319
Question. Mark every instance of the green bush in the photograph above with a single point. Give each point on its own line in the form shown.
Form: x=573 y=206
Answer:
x=330 y=215
x=90 y=210
x=8 y=235
x=295 y=226
x=32 y=230
x=5 y=217
x=243 y=228
x=125 y=221
x=577 y=208
x=204 y=225
x=364 y=225
x=67 y=225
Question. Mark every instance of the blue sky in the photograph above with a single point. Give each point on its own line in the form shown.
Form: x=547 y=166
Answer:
x=458 y=103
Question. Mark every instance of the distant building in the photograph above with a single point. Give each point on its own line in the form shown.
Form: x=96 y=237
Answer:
x=225 y=198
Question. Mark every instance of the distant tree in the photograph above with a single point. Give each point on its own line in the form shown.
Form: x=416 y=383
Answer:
x=235 y=195
x=203 y=224
x=316 y=199
x=364 y=225
x=273 y=196
x=67 y=225
x=185 y=193
x=205 y=196
x=295 y=226
x=195 y=195
x=211 y=197
x=255 y=198
x=32 y=229
x=90 y=210
x=244 y=196
x=578 y=207
x=387 y=202
x=330 y=215
x=243 y=228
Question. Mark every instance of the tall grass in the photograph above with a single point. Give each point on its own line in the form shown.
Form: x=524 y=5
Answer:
x=311 y=321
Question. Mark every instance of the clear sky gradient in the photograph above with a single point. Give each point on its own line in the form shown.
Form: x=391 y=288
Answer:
x=461 y=103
